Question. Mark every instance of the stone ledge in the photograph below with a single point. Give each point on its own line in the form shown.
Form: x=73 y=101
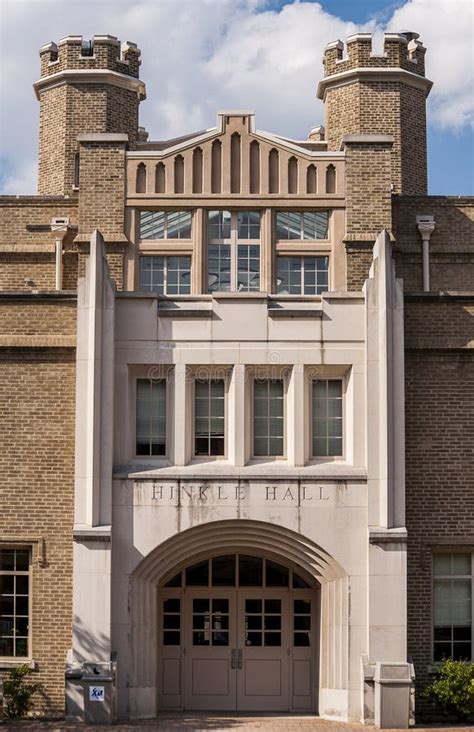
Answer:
x=37 y=341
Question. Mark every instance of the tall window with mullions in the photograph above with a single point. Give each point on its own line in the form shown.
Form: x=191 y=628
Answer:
x=209 y=417
x=268 y=418
x=327 y=418
x=151 y=417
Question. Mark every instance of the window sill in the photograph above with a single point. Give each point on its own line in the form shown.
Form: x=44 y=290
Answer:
x=8 y=664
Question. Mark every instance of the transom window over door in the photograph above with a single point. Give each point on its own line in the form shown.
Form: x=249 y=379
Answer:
x=233 y=251
x=238 y=570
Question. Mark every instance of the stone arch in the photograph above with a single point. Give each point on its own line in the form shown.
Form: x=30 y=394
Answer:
x=271 y=540
x=216 y=167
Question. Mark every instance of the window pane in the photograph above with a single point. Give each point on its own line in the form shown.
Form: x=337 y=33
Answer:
x=14 y=602
x=223 y=571
x=209 y=422
x=179 y=225
x=327 y=417
x=248 y=272
x=250 y=571
x=315 y=225
x=151 y=417
x=152 y=224
x=289 y=274
x=218 y=267
x=198 y=575
x=248 y=224
x=276 y=575
x=152 y=274
x=218 y=226
x=268 y=418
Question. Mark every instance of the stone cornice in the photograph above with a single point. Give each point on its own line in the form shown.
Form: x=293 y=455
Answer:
x=373 y=74
x=91 y=76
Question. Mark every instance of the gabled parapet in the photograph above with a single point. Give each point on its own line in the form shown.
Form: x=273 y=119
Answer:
x=101 y=52
x=400 y=50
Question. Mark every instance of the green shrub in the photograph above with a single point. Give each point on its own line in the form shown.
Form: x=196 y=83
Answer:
x=453 y=688
x=18 y=692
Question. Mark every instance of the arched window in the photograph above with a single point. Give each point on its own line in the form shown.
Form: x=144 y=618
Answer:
x=330 y=179
x=160 y=178
x=273 y=172
x=292 y=175
x=235 y=163
x=141 y=179
x=197 y=170
x=216 y=167
x=311 y=179
x=254 y=167
x=179 y=174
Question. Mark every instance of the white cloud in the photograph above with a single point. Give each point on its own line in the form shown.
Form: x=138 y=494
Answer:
x=203 y=55
x=447 y=31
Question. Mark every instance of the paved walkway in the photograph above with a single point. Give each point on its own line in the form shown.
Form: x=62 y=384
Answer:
x=215 y=723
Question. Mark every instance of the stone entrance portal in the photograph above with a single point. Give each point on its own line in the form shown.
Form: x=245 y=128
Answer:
x=238 y=632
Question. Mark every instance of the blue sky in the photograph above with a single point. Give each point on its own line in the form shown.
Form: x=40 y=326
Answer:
x=199 y=56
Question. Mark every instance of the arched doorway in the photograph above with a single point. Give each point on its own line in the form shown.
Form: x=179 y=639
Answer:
x=160 y=676
x=238 y=632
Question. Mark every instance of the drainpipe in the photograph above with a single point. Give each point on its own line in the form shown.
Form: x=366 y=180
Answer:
x=426 y=226
x=59 y=226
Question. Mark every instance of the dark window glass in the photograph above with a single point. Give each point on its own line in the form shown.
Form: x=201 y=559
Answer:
x=174 y=581
x=198 y=575
x=276 y=575
x=14 y=602
x=299 y=582
x=223 y=571
x=151 y=417
x=250 y=571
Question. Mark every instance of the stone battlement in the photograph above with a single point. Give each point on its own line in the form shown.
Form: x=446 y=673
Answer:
x=102 y=52
x=400 y=50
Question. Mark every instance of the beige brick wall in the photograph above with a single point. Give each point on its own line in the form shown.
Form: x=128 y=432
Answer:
x=388 y=108
x=37 y=496
x=27 y=258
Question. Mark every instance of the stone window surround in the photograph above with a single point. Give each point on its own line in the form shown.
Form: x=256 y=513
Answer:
x=270 y=247
x=238 y=450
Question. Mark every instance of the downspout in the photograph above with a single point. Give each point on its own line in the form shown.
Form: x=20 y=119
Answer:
x=426 y=226
x=59 y=263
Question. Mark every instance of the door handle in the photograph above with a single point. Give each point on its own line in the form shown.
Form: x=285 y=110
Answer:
x=232 y=658
x=239 y=658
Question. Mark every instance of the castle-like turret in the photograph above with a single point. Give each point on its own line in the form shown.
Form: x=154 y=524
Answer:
x=85 y=87
x=369 y=93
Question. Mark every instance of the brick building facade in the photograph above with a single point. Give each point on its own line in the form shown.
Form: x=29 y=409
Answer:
x=236 y=398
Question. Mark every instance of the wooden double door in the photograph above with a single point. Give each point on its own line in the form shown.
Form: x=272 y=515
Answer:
x=237 y=653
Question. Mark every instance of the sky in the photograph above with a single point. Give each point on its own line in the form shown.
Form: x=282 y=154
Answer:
x=200 y=56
